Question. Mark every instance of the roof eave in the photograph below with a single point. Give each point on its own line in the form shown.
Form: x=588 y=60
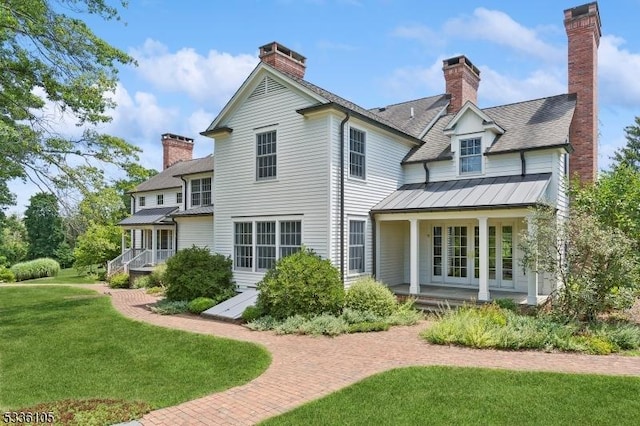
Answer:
x=217 y=131
x=457 y=208
x=567 y=146
x=335 y=106
x=428 y=160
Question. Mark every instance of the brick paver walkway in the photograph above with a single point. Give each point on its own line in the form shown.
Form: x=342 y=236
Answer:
x=305 y=368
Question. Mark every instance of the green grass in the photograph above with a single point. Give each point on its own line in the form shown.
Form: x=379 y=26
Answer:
x=467 y=396
x=63 y=342
x=65 y=276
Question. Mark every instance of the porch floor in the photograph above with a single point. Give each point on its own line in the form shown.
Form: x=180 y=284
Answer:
x=441 y=292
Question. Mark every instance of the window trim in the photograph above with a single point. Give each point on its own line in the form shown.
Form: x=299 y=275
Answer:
x=179 y=197
x=254 y=238
x=250 y=245
x=460 y=157
x=200 y=192
x=258 y=157
x=363 y=154
x=160 y=199
x=355 y=272
x=264 y=245
x=142 y=201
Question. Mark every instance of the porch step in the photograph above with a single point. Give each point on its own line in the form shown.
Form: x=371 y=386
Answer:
x=436 y=304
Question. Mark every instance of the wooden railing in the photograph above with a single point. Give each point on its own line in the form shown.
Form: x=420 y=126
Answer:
x=119 y=263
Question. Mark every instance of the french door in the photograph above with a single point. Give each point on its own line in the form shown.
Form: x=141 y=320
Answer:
x=456 y=254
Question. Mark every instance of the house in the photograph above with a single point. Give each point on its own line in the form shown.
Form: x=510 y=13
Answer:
x=171 y=211
x=429 y=195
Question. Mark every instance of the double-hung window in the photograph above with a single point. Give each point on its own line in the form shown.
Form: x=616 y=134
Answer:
x=201 y=192
x=471 y=155
x=179 y=197
x=356 y=153
x=266 y=155
x=265 y=241
x=356 y=246
x=142 y=201
x=160 y=199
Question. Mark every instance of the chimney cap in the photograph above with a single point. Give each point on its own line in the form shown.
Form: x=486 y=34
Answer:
x=274 y=46
x=578 y=12
x=460 y=59
x=176 y=137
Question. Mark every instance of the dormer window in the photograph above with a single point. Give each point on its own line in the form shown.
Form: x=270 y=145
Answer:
x=471 y=155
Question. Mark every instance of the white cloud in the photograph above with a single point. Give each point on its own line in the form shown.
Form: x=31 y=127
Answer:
x=419 y=33
x=414 y=82
x=212 y=78
x=618 y=73
x=500 y=28
x=498 y=89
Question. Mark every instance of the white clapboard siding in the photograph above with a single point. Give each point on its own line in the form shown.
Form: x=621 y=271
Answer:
x=151 y=198
x=302 y=173
x=195 y=231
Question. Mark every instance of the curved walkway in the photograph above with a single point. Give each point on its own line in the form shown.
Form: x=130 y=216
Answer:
x=305 y=368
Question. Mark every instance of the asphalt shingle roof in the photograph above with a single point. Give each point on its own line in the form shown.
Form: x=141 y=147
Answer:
x=531 y=124
x=425 y=111
x=168 y=178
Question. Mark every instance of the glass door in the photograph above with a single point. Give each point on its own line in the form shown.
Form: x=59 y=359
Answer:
x=438 y=254
x=457 y=255
x=506 y=258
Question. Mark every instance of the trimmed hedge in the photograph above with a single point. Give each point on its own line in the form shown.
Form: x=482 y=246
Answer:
x=37 y=268
x=369 y=295
x=119 y=280
x=200 y=304
x=301 y=284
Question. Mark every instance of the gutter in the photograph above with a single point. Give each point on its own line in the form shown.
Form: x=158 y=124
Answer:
x=342 y=237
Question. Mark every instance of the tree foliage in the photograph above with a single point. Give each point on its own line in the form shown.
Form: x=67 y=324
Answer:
x=595 y=264
x=13 y=240
x=629 y=155
x=99 y=244
x=44 y=226
x=52 y=64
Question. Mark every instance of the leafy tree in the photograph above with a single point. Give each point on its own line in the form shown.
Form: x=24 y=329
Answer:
x=44 y=226
x=53 y=61
x=614 y=200
x=136 y=174
x=629 y=155
x=99 y=244
x=13 y=240
x=595 y=263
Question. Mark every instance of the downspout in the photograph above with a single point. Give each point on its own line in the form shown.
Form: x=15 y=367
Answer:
x=173 y=219
x=426 y=172
x=342 y=238
x=374 y=236
x=184 y=202
x=133 y=234
x=523 y=164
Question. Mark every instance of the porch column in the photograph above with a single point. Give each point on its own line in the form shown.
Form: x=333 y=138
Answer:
x=154 y=244
x=123 y=248
x=532 y=275
x=414 y=284
x=483 y=290
x=377 y=249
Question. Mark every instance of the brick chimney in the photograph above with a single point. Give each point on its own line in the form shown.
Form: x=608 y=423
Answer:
x=175 y=148
x=283 y=59
x=582 y=24
x=461 y=79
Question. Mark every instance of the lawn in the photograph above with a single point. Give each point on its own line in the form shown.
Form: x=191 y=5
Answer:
x=469 y=396
x=65 y=276
x=63 y=342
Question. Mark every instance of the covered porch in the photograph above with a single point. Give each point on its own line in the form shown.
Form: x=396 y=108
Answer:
x=148 y=239
x=459 y=240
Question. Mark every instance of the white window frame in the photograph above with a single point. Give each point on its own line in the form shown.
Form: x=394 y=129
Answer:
x=201 y=192
x=355 y=245
x=462 y=156
x=142 y=201
x=256 y=244
x=249 y=245
x=261 y=156
x=160 y=199
x=179 y=197
x=266 y=235
x=356 y=153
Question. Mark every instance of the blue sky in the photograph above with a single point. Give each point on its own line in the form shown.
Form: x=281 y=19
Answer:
x=192 y=55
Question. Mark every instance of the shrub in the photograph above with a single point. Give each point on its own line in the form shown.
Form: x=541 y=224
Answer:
x=142 y=282
x=366 y=327
x=37 y=268
x=506 y=303
x=155 y=290
x=263 y=323
x=302 y=283
x=156 y=278
x=6 y=276
x=367 y=294
x=119 y=280
x=102 y=275
x=200 y=304
x=326 y=324
x=170 y=307
x=351 y=316
x=405 y=314
x=251 y=313
x=195 y=272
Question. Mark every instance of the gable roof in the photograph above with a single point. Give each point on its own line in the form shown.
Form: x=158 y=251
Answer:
x=535 y=124
x=425 y=111
x=170 y=177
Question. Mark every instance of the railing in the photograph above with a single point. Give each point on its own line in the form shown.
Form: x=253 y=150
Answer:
x=163 y=254
x=119 y=263
x=144 y=258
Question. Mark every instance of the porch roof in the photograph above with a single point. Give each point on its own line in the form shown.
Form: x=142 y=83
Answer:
x=148 y=216
x=196 y=211
x=477 y=193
